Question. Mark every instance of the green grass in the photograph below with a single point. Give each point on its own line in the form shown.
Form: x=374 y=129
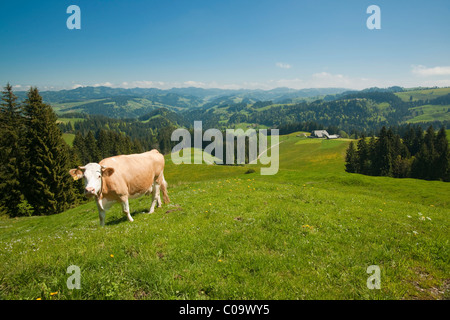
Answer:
x=62 y=107
x=308 y=232
x=66 y=120
x=423 y=94
x=431 y=113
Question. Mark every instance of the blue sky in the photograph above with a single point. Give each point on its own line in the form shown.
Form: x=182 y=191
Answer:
x=225 y=44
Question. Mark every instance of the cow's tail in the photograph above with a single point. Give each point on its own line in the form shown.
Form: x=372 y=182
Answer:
x=164 y=189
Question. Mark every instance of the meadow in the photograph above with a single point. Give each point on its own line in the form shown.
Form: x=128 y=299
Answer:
x=308 y=232
x=422 y=94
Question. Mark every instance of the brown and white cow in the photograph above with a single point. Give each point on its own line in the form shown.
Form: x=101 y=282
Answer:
x=119 y=178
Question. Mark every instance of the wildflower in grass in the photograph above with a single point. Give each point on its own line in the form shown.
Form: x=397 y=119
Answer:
x=112 y=256
x=415 y=233
x=219 y=260
x=429 y=218
x=409 y=216
x=381 y=210
x=422 y=218
x=210 y=204
x=53 y=293
x=39 y=299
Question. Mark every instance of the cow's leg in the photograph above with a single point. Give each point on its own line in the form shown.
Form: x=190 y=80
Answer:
x=159 y=183
x=101 y=212
x=102 y=215
x=158 y=199
x=126 y=209
x=155 y=197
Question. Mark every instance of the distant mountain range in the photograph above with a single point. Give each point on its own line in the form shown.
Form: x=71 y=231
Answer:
x=364 y=109
x=89 y=93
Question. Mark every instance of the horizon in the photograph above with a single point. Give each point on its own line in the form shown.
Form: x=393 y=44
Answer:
x=234 y=45
x=25 y=89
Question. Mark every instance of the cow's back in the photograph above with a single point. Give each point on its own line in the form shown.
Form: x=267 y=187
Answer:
x=133 y=174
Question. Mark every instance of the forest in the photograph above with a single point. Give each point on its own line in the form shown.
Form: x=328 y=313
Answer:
x=410 y=154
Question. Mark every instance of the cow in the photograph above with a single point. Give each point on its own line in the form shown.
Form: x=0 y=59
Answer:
x=119 y=178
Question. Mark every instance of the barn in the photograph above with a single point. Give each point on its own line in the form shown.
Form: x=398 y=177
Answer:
x=323 y=134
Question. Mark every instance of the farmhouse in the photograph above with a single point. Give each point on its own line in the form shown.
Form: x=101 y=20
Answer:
x=323 y=134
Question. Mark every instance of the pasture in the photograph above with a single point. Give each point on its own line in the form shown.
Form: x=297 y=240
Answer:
x=422 y=94
x=308 y=232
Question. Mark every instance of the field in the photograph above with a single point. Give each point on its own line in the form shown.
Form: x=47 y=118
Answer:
x=308 y=232
x=431 y=113
x=423 y=94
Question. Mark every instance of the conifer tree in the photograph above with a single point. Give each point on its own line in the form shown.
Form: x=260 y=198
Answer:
x=383 y=151
x=47 y=183
x=363 y=156
x=424 y=160
x=104 y=143
x=351 y=159
x=92 y=151
x=11 y=155
x=79 y=148
x=441 y=166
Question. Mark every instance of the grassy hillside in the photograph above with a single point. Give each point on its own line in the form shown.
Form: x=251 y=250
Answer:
x=308 y=232
x=429 y=112
x=422 y=94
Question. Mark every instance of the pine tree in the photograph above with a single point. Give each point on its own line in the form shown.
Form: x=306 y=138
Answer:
x=351 y=159
x=417 y=142
x=79 y=149
x=383 y=153
x=104 y=143
x=441 y=166
x=92 y=151
x=11 y=128
x=363 y=156
x=424 y=161
x=372 y=155
x=136 y=147
x=420 y=165
x=48 y=183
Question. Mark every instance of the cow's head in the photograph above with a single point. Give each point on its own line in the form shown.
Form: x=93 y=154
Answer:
x=92 y=174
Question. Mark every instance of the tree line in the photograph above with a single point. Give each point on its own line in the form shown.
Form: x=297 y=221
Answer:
x=415 y=154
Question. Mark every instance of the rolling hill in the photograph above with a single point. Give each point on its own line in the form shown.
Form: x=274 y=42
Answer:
x=308 y=232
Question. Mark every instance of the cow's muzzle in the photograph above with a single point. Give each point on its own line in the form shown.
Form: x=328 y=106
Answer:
x=89 y=192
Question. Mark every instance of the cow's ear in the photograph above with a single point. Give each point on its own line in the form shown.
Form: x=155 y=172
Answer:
x=76 y=173
x=107 y=171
